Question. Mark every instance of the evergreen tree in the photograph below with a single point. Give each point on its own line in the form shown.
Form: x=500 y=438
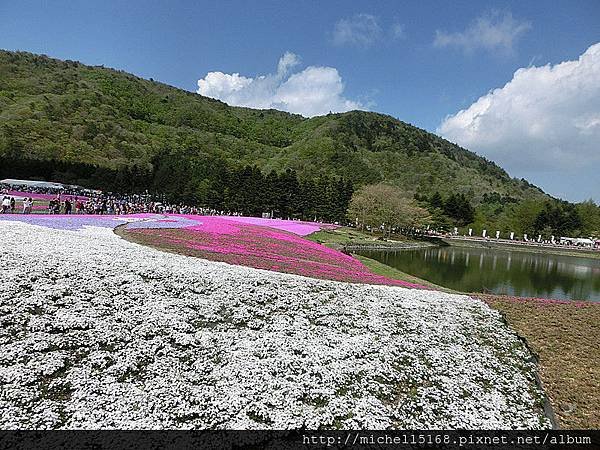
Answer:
x=436 y=200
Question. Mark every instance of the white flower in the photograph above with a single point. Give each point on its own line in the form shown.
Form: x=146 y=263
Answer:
x=97 y=332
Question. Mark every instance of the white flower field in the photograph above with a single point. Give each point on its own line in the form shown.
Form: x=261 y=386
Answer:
x=97 y=332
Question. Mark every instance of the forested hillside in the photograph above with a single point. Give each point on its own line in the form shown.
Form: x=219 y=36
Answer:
x=108 y=129
x=64 y=110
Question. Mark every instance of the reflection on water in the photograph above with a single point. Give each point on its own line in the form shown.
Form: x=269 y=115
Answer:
x=499 y=271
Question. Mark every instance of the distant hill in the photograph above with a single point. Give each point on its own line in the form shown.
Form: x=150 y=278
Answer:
x=69 y=112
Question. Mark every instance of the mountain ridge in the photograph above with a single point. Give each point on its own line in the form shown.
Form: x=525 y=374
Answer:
x=67 y=111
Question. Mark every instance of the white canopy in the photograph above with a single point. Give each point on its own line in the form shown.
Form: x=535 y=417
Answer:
x=42 y=184
x=31 y=183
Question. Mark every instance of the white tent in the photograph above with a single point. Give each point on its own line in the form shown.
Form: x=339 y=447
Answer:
x=584 y=242
x=45 y=185
x=31 y=183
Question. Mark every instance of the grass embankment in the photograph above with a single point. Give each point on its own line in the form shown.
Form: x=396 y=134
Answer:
x=389 y=272
x=343 y=236
x=348 y=237
x=566 y=338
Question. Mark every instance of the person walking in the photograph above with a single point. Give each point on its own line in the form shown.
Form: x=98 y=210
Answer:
x=26 y=205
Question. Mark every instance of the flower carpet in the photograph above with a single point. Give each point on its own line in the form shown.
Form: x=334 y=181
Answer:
x=276 y=245
x=99 y=332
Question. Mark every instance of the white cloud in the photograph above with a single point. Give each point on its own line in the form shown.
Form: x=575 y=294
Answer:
x=287 y=62
x=545 y=119
x=311 y=92
x=361 y=30
x=397 y=31
x=220 y=83
x=364 y=30
x=492 y=32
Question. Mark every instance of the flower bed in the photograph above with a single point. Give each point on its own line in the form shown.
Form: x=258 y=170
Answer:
x=293 y=226
x=79 y=221
x=279 y=246
x=67 y=222
x=243 y=243
x=98 y=332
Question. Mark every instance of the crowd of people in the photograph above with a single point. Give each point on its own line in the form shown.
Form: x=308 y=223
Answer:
x=129 y=204
x=80 y=201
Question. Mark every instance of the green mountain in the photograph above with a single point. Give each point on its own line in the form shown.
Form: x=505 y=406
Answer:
x=52 y=110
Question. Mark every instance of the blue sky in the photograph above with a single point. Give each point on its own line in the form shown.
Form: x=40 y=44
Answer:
x=418 y=61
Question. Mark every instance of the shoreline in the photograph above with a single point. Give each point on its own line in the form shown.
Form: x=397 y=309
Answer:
x=522 y=247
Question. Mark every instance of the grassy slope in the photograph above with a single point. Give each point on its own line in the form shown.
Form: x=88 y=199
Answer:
x=69 y=111
x=345 y=236
x=342 y=236
x=395 y=274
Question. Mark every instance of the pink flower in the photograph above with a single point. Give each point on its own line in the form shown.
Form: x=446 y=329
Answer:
x=278 y=246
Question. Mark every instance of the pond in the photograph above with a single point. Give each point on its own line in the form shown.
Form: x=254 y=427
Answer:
x=499 y=271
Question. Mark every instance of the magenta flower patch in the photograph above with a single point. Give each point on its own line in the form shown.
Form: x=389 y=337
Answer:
x=293 y=226
x=240 y=242
x=275 y=245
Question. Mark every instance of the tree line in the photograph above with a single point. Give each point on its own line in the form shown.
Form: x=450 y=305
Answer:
x=552 y=217
x=455 y=209
x=202 y=181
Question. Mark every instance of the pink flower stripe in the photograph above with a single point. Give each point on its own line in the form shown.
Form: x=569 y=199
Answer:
x=294 y=226
x=236 y=242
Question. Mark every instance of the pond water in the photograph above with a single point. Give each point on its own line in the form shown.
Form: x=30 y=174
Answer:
x=507 y=272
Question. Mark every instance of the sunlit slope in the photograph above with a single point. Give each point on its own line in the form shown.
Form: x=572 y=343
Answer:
x=67 y=111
